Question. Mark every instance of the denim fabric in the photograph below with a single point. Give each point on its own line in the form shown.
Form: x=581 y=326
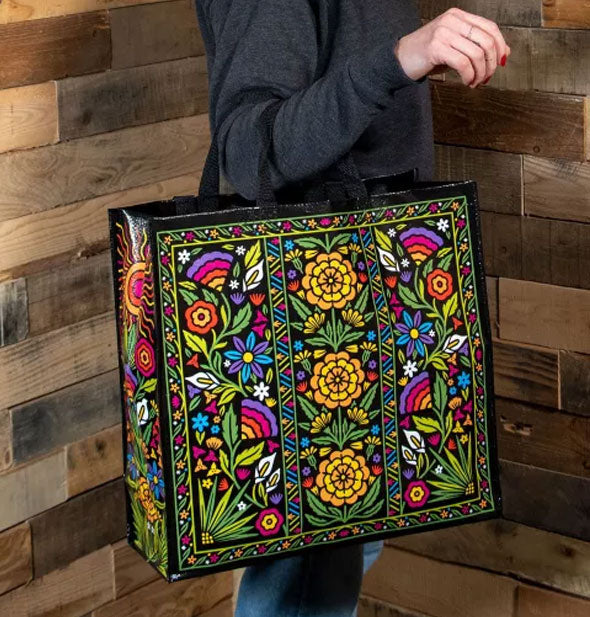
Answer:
x=315 y=584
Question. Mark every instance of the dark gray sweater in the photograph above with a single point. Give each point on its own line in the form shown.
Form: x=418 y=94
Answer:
x=363 y=101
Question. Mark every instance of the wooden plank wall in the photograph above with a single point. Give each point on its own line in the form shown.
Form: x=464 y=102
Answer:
x=99 y=107
x=525 y=138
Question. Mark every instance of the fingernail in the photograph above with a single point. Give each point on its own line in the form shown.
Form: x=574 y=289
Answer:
x=503 y=60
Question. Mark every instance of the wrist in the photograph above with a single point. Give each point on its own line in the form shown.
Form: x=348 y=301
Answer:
x=404 y=58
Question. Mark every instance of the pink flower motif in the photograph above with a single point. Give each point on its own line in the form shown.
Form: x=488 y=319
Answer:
x=189 y=236
x=378 y=526
x=175 y=402
x=307 y=539
x=433 y=207
x=182 y=489
x=236 y=231
x=465 y=509
x=261 y=549
x=269 y=522
x=465 y=270
x=242 y=473
x=172 y=361
x=214 y=557
x=472 y=317
x=434 y=439
x=344 y=533
x=480 y=437
x=186 y=540
x=179 y=440
x=165 y=260
x=275 y=240
x=461 y=223
x=388 y=214
x=168 y=310
x=484 y=484
x=416 y=494
x=325 y=221
x=287 y=226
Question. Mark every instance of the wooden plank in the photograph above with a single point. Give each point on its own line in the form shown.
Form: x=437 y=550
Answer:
x=32 y=489
x=64 y=416
x=526 y=373
x=81 y=229
x=71 y=592
x=543 y=59
x=154 y=33
x=13 y=312
x=182 y=599
x=114 y=100
x=545 y=315
x=509 y=548
x=574 y=371
x=40 y=50
x=72 y=293
x=557 y=188
x=63 y=534
x=498 y=175
x=516 y=12
x=28 y=116
x=94 y=460
x=25 y=10
x=86 y=168
x=566 y=14
x=16 y=562
x=60 y=358
x=546 y=499
x=222 y=609
x=492 y=293
x=438 y=588
x=370 y=607
x=545 y=439
x=502 y=244
x=5 y=440
x=542 y=123
x=535 y=602
x=131 y=571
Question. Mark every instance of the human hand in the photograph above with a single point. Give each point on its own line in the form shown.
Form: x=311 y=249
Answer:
x=456 y=39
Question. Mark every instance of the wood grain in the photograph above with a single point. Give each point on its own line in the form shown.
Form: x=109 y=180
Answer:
x=543 y=438
x=5 y=440
x=546 y=499
x=502 y=244
x=114 y=100
x=498 y=175
x=154 y=33
x=37 y=242
x=566 y=14
x=42 y=364
x=65 y=416
x=550 y=125
x=182 y=599
x=84 y=169
x=28 y=116
x=94 y=460
x=535 y=602
x=40 y=50
x=574 y=370
x=13 y=312
x=492 y=293
x=510 y=548
x=31 y=489
x=557 y=188
x=71 y=592
x=516 y=12
x=16 y=561
x=370 y=607
x=78 y=527
x=131 y=571
x=526 y=373
x=429 y=586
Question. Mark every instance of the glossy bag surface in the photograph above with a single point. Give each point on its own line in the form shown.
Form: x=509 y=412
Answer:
x=302 y=374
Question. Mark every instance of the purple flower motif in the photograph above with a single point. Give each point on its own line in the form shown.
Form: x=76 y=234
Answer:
x=408 y=473
x=361 y=265
x=300 y=375
x=306 y=471
x=376 y=458
x=372 y=364
x=248 y=357
x=192 y=391
x=413 y=333
x=406 y=276
x=237 y=298
x=292 y=274
x=276 y=498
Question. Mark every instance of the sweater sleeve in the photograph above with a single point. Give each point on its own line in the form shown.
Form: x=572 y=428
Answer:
x=271 y=47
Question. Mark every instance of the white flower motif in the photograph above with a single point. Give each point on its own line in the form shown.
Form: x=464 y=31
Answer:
x=431 y=333
x=453 y=343
x=240 y=250
x=226 y=363
x=234 y=284
x=405 y=262
x=184 y=256
x=142 y=411
x=415 y=440
x=241 y=506
x=261 y=391
x=410 y=368
x=264 y=468
x=442 y=224
x=438 y=469
x=409 y=456
x=391 y=233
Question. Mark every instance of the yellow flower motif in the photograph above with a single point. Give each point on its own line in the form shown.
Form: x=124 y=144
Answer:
x=192 y=559
x=343 y=477
x=314 y=323
x=402 y=381
x=464 y=439
x=325 y=450
x=167 y=239
x=184 y=514
x=302 y=355
x=483 y=503
x=358 y=415
x=294 y=254
x=372 y=439
x=444 y=513
x=352 y=348
x=337 y=380
x=308 y=452
x=455 y=205
x=214 y=443
x=354 y=318
x=455 y=402
x=320 y=422
x=312 y=224
x=214 y=233
x=207 y=483
x=329 y=281
x=369 y=346
x=167 y=285
x=469 y=294
x=270 y=402
x=357 y=445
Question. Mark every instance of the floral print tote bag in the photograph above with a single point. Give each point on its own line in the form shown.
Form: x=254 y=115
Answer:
x=301 y=374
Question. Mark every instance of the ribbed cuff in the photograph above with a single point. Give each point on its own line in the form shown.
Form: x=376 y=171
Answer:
x=377 y=73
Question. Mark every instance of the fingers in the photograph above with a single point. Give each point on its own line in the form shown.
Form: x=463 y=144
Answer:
x=461 y=62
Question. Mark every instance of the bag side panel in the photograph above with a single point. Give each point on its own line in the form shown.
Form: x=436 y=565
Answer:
x=137 y=351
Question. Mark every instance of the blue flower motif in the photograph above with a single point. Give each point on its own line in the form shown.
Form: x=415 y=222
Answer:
x=248 y=357
x=154 y=476
x=215 y=429
x=375 y=429
x=452 y=390
x=200 y=422
x=413 y=332
x=132 y=467
x=297 y=345
x=371 y=335
x=304 y=442
x=354 y=237
x=289 y=245
x=464 y=379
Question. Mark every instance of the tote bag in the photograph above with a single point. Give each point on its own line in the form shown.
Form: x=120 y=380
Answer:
x=302 y=374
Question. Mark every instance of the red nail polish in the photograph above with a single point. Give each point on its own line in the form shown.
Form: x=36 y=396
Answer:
x=503 y=60
x=486 y=80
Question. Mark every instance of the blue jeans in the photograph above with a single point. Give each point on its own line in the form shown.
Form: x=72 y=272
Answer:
x=316 y=584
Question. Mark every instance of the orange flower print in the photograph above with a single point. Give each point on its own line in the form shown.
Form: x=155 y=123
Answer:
x=201 y=317
x=329 y=281
x=337 y=380
x=343 y=477
x=439 y=284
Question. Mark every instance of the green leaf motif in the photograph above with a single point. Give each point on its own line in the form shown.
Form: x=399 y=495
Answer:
x=450 y=306
x=253 y=255
x=427 y=425
x=383 y=240
x=409 y=297
x=195 y=342
x=249 y=455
